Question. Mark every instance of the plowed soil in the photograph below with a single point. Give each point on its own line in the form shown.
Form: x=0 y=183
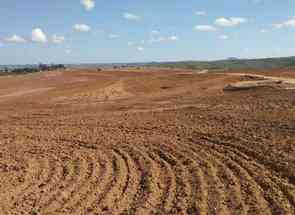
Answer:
x=152 y=142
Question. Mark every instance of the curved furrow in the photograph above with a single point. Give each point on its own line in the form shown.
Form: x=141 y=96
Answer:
x=150 y=188
x=101 y=174
x=90 y=172
x=215 y=190
x=250 y=155
x=183 y=190
x=288 y=189
x=254 y=199
x=279 y=200
x=106 y=184
x=50 y=183
x=234 y=199
x=34 y=176
x=197 y=203
x=71 y=169
x=67 y=194
x=169 y=178
x=216 y=198
x=199 y=190
x=106 y=205
x=209 y=196
x=130 y=187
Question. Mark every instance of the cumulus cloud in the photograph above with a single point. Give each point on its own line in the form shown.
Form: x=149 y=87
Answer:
x=205 y=28
x=288 y=23
x=200 y=13
x=58 y=39
x=172 y=38
x=140 y=49
x=114 y=36
x=38 y=36
x=223 y=37
x=230 y=22
x=130 y=16
x=81 y=27
x=15 y=39
x=88 y=4
x=155 y=32
x=164 y=39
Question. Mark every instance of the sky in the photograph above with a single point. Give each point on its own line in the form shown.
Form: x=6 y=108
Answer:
x=107 y=31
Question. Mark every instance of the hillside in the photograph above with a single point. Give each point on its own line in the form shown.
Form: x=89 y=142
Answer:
x=265 y=63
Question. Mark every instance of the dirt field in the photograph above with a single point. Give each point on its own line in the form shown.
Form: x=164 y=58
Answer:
x=150 y=142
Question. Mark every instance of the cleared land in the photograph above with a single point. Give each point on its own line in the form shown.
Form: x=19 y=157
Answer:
x=149 y=142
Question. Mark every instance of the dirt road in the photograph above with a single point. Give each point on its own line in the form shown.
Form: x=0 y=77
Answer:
x=153 y=142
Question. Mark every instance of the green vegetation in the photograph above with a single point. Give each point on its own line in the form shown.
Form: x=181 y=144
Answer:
x=230 y=64
x=30 y=69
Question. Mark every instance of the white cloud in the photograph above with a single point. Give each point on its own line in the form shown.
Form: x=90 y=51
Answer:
x=68 y=51
x=223 y=37
x=15 y=39
x=130 y=16
x=172 y=38
x=88 y=4
x=230 y=22
x=200 y=13
x=38 y=36
x=155 y=32
x=205 y=28
x=288 y=23
x=263 y=31
x=278 y=25
x=141 y=49
x=81 y=27
x=58 y=39
x=114 y=36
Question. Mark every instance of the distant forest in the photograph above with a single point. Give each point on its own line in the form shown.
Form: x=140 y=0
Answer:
x=228 y=64
x=233 y=63
x=6 y=70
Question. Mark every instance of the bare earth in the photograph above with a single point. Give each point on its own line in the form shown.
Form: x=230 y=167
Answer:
x=152 y=142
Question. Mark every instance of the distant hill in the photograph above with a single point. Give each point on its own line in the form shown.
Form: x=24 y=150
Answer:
x=233 y=63
x=228 y=64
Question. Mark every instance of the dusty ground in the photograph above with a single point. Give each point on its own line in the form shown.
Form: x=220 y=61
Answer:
x=156 y=142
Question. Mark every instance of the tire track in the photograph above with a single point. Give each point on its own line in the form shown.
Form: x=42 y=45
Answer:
x=188 y=178
x=182 y=185
x=169 y=178
x=130 y=187
x=281 y=201
x=90 y=171
x=102 y=171
x=70 y=171
x=33 y=173
x=117 y=189
x=150 y=186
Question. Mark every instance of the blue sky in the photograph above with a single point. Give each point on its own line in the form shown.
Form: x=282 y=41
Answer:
x=103 y=31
